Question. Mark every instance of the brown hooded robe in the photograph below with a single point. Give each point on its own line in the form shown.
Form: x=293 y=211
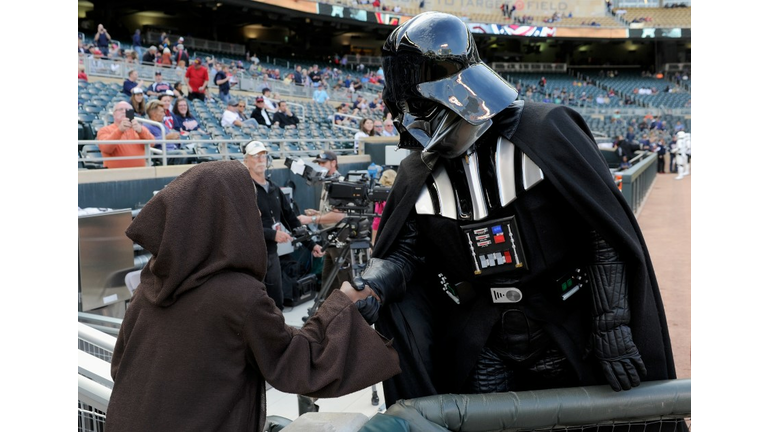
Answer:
x=201 y=335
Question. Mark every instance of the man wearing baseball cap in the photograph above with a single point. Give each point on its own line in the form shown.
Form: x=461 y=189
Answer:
x=260 y=113
x=327 y=217
x=158 y=86
x=197 y=80
x=276 y=215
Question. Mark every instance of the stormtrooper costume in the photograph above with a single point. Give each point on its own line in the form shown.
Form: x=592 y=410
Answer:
x=507 y=259
x=682 y=153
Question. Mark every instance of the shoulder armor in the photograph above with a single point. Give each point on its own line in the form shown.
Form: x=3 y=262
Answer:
x=450 y=194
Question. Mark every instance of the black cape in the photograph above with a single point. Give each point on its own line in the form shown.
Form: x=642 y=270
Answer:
x=559 y=141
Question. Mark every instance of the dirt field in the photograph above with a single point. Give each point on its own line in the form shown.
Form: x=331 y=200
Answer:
x=665 y=220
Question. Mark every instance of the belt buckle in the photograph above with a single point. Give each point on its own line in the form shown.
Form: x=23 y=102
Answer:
x=506 y=295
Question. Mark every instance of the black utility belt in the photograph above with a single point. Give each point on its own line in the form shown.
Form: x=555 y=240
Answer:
x=563 y=288
x=495 y=246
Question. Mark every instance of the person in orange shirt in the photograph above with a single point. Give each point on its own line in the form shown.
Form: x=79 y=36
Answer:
x=123 y=129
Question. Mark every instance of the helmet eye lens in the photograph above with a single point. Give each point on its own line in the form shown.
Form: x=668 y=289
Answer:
x=423 y=108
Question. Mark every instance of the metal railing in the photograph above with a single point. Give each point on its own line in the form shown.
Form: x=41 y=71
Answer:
x=651 y=403
x=224 y=152
x=637 y=180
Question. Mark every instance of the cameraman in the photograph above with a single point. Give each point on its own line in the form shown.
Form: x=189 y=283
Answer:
x=276 y=217
x=327 y=217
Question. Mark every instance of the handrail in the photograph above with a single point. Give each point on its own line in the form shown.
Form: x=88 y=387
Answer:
x=326 y=145
x=549 y=408
x=92 y=393
x=162 y=132
x=95 y=337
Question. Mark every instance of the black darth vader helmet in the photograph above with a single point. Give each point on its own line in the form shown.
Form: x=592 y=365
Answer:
x=441 y=95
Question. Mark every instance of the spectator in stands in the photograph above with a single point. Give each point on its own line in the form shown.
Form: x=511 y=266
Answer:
x=181 y=55
x=156 y=112
x=222 y=80
x=269 y=102
x=131 y=57
x=150 y=57
x=357 y=85
x=136 y=41
x=197 y=80
x=138 y=101
x=167 y=100
x=159 y=86
x=81 y=47
x=366 y=130
x=231 y=117
x=315 y=75
x=320 y=95
x=260 y=113
x=241 y=109
x=277 y=218
x=284 y=117
x=102 y=39
x=131 y=82
x=360 y=104
x=179 y=43
x=123 y=129
x=297 y=76
x=389 y=128
x=183 y=120
x=178 y=90
x=378 y=127
x=81 y=75
x=630 y=134
x=624 y=163
x=339 y=118
x=166 y=58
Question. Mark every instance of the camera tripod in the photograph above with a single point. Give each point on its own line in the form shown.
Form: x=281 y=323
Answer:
x=353 y=234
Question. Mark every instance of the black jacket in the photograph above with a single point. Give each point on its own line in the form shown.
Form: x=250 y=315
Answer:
x=548 y=134
x=275 y=207
x=284 y=119
x=256 y=114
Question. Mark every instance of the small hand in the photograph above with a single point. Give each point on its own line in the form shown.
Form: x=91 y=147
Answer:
x=317 y=251
x=282 y=237
x=305 y=220
x=124 y=125
x=136 y=126
x=356 y=295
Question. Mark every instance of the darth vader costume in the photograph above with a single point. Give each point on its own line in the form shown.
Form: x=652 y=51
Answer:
x=507 y=258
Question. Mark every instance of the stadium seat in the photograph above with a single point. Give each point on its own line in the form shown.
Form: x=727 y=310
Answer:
x=91 y=151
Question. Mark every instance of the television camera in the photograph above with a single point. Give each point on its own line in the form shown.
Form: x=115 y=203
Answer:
x=354 y=196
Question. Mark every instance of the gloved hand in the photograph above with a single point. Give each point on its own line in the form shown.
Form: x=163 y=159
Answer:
x=369 y=309
x=366 y=299
x=618 y=357
x=612 y=341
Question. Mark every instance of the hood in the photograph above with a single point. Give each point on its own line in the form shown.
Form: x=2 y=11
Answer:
x=206 y=221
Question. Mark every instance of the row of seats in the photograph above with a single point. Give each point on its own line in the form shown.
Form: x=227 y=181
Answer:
x=662 y=17
x=623 y=85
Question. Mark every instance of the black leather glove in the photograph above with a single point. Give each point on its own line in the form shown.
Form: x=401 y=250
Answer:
x=611 y=336
x=369 y=309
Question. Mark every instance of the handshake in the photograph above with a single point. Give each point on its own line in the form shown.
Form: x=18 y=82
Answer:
x=366 y=300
